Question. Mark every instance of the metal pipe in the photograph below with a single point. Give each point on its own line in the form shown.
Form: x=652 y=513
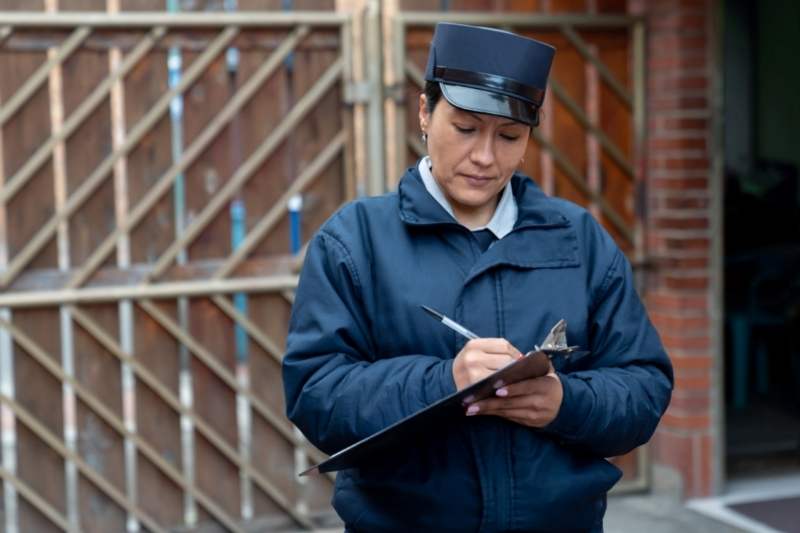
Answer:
x=8 y=427
x=116 y=64
x=400 y=103
x=55 y=91
x=376 y=181
x=185 y=387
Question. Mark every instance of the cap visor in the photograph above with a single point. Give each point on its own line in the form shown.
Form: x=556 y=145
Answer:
x=479 y=101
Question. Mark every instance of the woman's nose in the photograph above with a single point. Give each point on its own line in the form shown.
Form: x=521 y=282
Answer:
x=482 y=153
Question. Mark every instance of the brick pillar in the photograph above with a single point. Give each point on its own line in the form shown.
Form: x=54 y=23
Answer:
x=681 y=230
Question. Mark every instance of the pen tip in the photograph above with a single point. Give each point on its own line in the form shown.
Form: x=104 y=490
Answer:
x=432 y=312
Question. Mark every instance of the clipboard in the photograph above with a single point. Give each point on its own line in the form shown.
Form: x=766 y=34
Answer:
x=533 y=364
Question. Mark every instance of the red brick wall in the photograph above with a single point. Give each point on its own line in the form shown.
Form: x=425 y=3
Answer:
x=679 y=227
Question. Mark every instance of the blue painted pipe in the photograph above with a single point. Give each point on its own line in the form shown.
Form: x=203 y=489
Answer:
x=295 y=210
x=238 y=213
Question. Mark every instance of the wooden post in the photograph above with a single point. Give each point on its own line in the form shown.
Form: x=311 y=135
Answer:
x=56 y=97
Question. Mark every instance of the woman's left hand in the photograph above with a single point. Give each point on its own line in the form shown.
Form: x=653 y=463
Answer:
x=532 y=402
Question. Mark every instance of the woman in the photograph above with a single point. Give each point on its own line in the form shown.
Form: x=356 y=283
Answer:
x=470 y=237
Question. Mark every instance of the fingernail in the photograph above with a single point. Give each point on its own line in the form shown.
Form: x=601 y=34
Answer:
x=472 y=410
x=469 y=399
x=499 y=383
x=502 y=392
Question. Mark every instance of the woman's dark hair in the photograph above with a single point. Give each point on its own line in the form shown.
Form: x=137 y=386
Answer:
x=433 y=93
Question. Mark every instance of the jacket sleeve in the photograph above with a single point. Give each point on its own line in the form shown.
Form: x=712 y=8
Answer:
x=614 y=402
x=337 y=391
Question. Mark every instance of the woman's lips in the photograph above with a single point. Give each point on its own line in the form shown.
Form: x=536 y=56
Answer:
x=479 y=181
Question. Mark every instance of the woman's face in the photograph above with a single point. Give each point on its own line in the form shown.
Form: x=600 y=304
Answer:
x=473 y=156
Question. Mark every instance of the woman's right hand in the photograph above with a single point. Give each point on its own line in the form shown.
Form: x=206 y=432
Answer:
x=480 y=358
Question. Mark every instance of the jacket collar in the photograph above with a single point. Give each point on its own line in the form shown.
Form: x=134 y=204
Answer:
x=419 y=208
x=542 y=236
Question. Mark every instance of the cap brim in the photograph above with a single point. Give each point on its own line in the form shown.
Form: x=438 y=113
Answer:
x=479 y=101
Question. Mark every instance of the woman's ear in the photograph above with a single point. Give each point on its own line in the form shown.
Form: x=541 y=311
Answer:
x=423 y=112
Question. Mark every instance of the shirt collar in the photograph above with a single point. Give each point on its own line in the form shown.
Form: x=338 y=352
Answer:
x=504 y=217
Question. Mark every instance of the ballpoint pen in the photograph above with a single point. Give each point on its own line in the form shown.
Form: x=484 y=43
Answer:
x=554 y=344
x=455 y=326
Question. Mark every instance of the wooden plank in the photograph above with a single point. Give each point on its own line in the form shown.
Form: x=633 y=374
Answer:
x=82 y=5
x=323 y=124
x=85 y=150
x=151 y=158
x=275 y=457
x=37 y=464
x=211 y=170
x=157 y=351
x=215 y=403
x=102 y=446
x=22 y=134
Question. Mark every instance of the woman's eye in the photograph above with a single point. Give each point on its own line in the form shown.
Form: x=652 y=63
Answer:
x=463 y=129
x=509 y=137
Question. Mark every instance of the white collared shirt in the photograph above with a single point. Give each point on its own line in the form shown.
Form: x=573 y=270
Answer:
x=505 y=214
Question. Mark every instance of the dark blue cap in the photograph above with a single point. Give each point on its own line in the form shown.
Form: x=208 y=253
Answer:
x=486 y=70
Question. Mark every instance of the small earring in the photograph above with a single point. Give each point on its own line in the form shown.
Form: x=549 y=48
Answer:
x=424 y=137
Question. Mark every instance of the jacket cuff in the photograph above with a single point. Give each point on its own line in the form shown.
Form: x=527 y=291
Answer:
x=576 y=405
x=447 y=384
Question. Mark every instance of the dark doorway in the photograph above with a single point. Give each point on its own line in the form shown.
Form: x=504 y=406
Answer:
x=762 y=236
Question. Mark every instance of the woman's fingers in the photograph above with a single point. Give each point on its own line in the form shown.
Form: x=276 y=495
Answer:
x=481 y=357
x=533 y=402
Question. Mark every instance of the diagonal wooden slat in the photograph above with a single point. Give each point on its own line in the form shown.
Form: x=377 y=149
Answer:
x=583 y=49
x=5 y=33
x=34 y=499
x=213 y=364
x=158 y=189
x=252 y=330
x=244 y=172
x=83 y=467
x=613 y=150
x=98 y=96
x=414 y=72
x=47 y=361
x=103 y=171
x=36 y=80
x=268 y=221
x=580 y=183
x=174 y=402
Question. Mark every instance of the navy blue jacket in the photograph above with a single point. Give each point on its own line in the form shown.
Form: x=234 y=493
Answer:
x=361 y=355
